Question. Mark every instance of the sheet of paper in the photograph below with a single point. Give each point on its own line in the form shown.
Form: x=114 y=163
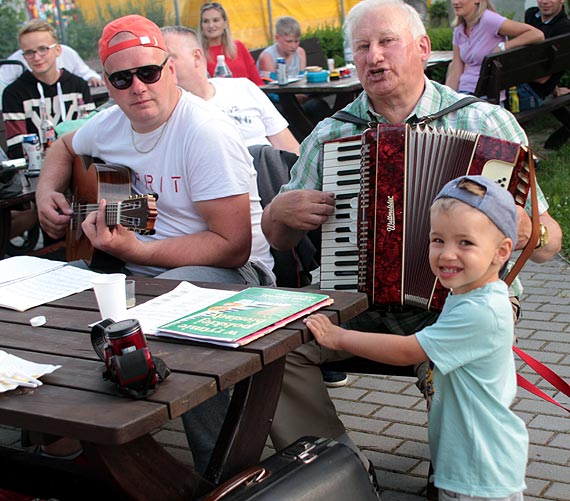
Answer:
x=184 y=299
x=63 y=281
x=19 y=267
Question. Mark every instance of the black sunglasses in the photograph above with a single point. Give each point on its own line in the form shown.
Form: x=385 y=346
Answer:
x=146 y=74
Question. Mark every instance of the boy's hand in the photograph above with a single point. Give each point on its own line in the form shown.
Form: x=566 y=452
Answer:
x=326 y=333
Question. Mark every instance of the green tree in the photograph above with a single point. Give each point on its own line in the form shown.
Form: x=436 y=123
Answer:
x=83 y=35
x=10 y=22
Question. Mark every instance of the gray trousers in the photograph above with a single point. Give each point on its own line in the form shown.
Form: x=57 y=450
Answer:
x=305 y=407
x=203 y=423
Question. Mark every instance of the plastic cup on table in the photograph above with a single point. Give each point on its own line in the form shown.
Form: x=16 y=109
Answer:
x=111 y=295
x=130 y=293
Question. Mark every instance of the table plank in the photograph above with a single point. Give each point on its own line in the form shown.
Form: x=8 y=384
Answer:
x=82 y=415
x=180 y=392
x=226 y=366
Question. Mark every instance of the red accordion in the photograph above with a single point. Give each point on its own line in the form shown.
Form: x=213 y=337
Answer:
x=385 y=181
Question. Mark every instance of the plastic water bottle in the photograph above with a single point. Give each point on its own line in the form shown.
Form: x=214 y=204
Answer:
x=514 y=100
x=47 y=129
x=282 y=78
x=222 y=70
x=82 y=111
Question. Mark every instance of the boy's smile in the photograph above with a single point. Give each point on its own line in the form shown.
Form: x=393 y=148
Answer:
x=466 y=249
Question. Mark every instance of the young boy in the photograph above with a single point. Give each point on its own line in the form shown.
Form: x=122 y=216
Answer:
x=478 y=445
x=287 y=39
x=21 y=100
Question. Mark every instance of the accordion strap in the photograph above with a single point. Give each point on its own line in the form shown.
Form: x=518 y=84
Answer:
x=345 y=116
x=450 y=109
x=535 y=230
x=548 y=374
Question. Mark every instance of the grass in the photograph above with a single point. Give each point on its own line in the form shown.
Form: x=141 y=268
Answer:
x=553 y=173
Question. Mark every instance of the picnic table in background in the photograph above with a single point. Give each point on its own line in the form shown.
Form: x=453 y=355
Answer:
x=344 y=91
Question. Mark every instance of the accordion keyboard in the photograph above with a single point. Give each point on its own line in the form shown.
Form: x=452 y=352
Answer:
x=339 y=252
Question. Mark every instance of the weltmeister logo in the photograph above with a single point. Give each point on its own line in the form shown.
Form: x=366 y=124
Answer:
x=391 y=219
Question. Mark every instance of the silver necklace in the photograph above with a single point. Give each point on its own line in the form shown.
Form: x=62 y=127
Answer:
x=155 y=143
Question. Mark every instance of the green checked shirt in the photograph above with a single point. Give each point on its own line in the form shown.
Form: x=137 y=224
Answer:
x=481 y=117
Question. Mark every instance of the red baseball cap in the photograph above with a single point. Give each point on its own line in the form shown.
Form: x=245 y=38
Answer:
x=147 y=34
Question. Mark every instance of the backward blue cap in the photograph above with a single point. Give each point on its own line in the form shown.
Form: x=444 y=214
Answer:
x=497 y=203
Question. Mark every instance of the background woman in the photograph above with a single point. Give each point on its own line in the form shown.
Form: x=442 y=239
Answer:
x=480 y=30
x=217 y=39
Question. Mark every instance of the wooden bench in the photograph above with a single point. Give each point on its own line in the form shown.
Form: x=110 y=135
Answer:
x=315 y=54
x=502 y=70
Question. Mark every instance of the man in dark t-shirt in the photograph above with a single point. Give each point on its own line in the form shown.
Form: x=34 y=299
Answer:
x=550 y=17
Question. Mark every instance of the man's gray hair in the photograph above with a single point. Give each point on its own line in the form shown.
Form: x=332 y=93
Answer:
x=191 y=37
x=363 y=8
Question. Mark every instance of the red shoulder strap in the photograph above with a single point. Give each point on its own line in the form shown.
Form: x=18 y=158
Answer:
x=548 y=374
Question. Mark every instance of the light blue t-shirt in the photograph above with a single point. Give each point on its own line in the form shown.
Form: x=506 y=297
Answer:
x=479 y=447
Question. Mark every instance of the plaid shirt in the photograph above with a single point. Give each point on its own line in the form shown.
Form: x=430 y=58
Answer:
x=481 y=117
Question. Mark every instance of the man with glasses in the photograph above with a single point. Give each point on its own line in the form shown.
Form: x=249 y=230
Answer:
x=177 y=145
x=62 y=91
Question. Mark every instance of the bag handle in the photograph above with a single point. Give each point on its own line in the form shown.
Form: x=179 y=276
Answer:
x=254 y=474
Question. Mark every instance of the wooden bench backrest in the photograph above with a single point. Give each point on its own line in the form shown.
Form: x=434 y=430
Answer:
x=502 y=70
x=315 y=54
x=312 y=46
x=255 y=53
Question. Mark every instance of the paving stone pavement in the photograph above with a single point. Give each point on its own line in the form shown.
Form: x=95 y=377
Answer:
x=386 y=416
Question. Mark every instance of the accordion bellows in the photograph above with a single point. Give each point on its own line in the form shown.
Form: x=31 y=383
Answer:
x=385 y=181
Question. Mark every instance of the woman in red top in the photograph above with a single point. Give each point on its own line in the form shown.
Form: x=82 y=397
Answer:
x=217 y=39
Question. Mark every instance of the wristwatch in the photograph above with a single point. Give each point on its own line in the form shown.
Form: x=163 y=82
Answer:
x=501 y=46
x=543 y=237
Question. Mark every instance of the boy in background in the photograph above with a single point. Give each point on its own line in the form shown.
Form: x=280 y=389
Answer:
x=287 y=40
x=479 y=447
x=63 y=91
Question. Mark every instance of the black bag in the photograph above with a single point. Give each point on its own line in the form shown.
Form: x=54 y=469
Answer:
x=311 y=469
x=10 y=182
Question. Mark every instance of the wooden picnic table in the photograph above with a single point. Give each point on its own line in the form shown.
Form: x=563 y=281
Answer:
x=116 y=432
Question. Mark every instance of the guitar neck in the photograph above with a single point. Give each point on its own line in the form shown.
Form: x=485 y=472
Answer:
x=112 y=212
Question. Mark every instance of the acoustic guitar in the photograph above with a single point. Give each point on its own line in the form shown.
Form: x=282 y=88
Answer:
x=93 y=180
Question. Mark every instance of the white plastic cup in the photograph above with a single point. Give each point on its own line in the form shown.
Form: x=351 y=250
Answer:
x=330 y=64
x=111 y=297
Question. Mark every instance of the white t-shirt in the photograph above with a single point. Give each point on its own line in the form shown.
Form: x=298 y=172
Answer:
x=200 y=156
x=249 y=107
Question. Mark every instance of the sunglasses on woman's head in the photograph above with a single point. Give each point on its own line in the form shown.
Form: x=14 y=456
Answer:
x=210 y=5
x=146 y=74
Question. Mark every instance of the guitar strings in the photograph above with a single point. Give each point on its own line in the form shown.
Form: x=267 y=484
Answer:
x=111 y=211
